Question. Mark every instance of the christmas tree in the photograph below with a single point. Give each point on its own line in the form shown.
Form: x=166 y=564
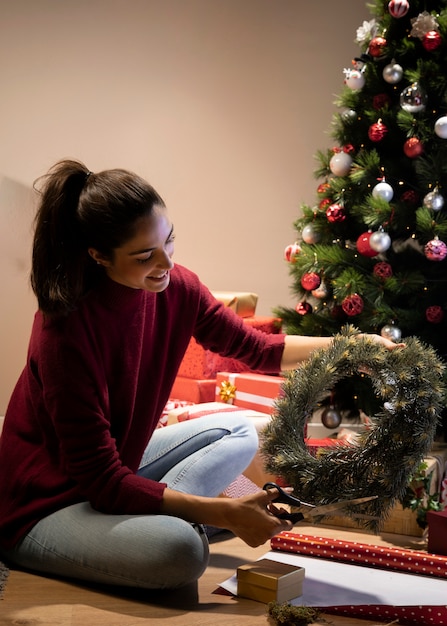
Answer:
x=372 y=250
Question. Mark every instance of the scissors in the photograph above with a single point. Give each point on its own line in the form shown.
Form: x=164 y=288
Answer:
x=309 y=511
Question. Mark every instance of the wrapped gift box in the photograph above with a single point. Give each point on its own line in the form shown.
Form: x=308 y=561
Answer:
x=381 y=557
x=251 y=391
x=269 y=581
x=200 y=363
x=242 y=303
x=437 y=532
x=193 y=390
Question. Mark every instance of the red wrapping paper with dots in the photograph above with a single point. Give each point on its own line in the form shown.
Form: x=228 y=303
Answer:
x=382 y=557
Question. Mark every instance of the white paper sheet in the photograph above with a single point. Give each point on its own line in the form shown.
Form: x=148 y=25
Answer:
x=330 y=583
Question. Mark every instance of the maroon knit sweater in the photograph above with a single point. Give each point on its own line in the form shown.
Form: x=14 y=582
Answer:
x=93 y=390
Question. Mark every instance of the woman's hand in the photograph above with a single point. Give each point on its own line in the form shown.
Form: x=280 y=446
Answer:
x=253 y=518
x=383 y=340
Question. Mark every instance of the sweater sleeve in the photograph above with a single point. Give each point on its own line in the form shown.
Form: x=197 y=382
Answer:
x=221 y=330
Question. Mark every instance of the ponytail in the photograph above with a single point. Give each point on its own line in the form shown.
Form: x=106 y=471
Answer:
x=79 y=210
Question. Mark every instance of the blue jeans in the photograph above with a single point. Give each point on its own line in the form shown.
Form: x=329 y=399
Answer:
x=201 y=456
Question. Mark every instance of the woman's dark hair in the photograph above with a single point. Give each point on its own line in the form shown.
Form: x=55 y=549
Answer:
x=79 y=210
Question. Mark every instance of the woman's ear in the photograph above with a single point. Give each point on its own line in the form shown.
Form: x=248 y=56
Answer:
x=99 y=258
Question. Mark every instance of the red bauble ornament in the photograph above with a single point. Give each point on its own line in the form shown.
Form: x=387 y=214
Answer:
x=398 y=8
x=377 y=47
x=310 y=281
x=413 y=147
x=380 y=101
x=434 y=314
x=383 y=270
x=431 y=40
x=291 y=252
x=303 y=308
x=349 y=149
x=377 y=131
x=336 y=213
x=363 y=245
x=352 y=305
x=411 y=198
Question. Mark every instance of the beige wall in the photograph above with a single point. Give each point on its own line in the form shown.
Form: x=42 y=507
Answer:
x=220 y=104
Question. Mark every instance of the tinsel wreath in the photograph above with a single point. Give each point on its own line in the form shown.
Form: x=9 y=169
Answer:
x=407 y=381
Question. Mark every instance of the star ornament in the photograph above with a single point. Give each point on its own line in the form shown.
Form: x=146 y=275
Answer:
x=227 y=391
x=422 y=24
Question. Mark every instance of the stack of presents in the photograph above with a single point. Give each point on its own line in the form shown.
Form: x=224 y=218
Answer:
x=208 y=383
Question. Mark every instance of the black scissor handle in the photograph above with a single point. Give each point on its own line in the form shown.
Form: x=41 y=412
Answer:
x=285 y=498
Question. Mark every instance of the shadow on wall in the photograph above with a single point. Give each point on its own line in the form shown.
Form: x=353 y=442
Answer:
x=17 y=301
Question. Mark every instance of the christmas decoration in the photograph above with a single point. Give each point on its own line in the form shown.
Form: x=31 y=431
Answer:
x=435 y=250
x=291 y=252
x=389 y=331
x=434 y=314
x=320 y=292
x=383 y=270
x=413 y=99
x=380 y=461
x=441 y=127
x=398 y=8
x=377 y=47
x=380 y=101
x=336 y=213
x=330 y=417
x=413 y=147
x=377 y=131
x=383 y=190
x=340 y=164
x=310 y=234
x=352 y=305
x=310 y=281
x=431 y=40
x=434 y=200
x=380 y=241
x=363 y=245
x=303 y=308
x=423 y=23
x=354 y=79
x=393 y=73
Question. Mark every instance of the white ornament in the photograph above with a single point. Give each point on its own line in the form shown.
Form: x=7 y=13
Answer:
x=310 y=235
x=340 y=164
x=366 y=31
x=392 y=73
x=434 y=200
x=380 y=241
x=441 y=127
x=383 y=190
x=354 y=79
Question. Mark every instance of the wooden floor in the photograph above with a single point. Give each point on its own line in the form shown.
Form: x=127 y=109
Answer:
x=31 y=600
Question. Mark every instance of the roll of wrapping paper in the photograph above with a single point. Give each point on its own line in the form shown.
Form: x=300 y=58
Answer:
x=382 y=557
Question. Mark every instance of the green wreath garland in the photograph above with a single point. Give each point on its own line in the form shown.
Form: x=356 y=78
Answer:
x=408 y=383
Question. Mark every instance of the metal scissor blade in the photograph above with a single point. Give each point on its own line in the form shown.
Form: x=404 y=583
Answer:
x=338 y=507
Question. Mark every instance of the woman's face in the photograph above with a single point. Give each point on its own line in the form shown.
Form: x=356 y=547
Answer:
x=145 y=260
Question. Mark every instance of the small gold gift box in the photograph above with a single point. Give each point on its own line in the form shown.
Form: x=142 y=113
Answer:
x=269 y=581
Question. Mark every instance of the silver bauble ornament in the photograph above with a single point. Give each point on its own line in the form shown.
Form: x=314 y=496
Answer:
x=383 y=190
x=331 y=418
x=413 y=98
x=441 y=127
x=349 y=115
x=391 y=332
x=392 y=73
x=310 y=234
x=321 y=291
x=434 y=200
x=380 y=241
